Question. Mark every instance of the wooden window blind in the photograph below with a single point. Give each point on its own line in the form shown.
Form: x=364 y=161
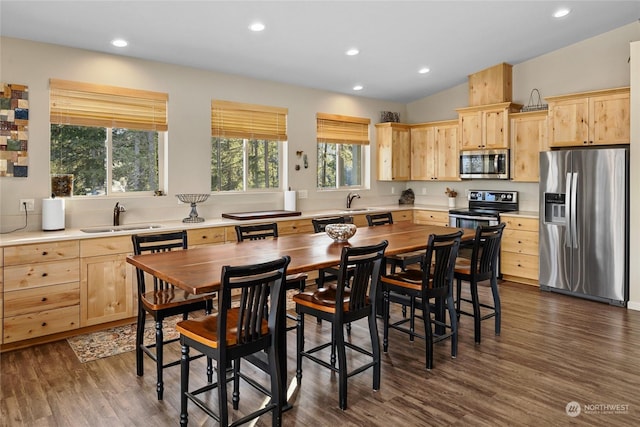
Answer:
x=342 y=129
x=86 y=104
x=237 y=120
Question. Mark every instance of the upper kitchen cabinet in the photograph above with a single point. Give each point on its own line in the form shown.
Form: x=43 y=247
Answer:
x=394 y=151
x=590 y=118
x=528 y=139
x=434 y=151
x=485 y=127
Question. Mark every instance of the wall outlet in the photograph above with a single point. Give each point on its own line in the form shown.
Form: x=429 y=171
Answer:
x=31 y=205
x=393 y=190
x=424 y=191
x=303 y=194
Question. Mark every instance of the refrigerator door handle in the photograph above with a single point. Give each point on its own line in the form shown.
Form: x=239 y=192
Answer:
x=573 y=212
x=568 y=239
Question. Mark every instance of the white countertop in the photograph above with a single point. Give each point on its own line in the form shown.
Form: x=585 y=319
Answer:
x=37 y=236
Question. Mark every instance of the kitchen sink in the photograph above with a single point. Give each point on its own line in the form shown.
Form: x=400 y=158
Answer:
x=352 y=210
x=117 y=228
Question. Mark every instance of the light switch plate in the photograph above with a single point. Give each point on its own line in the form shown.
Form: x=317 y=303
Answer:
x=303 y=194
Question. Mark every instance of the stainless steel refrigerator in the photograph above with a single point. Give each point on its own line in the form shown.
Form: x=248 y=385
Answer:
x=584 y=223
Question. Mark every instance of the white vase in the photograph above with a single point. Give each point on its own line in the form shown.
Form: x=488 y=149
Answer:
x=452 y=202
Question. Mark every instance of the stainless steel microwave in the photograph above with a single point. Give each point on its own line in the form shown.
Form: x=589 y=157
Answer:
x=484 y=164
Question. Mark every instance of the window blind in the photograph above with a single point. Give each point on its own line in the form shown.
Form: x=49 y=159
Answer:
x=238 y=120
x=86 y=104
x=342 y=129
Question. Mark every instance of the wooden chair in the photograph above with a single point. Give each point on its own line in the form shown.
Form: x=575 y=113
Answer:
x=262 y=232
x=351 y=300
x=433 y=282
x=319 y=225
x=483 y=265
x=235 y=333
x=161 y=302
x=399 y=260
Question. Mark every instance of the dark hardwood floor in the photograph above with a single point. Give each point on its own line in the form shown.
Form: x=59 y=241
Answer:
x=553 y=350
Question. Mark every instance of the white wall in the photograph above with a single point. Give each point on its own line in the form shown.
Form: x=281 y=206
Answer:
x=190 y=93
x=634 y=232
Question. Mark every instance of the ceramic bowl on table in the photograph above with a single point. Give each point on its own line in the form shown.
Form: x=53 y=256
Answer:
x=340 y=232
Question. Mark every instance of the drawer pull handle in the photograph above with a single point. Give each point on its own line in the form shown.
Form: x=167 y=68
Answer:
x=44 y=323
x=44 y=299
x=45 y=253
x=45 y=274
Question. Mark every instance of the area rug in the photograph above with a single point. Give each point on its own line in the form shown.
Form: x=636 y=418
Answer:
x=100 y=344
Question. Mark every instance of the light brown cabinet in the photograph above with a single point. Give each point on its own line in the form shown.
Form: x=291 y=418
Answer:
x=40 y=290
x=107 y=290
x=485 y=127
x=590 y=118
x=434 y=151
x=528 y=139
x=519 y=258
x=429 y=217
x=394 y=151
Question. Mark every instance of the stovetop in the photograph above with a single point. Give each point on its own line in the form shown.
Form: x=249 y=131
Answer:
x=489 y=203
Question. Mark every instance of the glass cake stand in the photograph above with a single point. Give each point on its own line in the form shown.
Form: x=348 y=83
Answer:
x=193 y=200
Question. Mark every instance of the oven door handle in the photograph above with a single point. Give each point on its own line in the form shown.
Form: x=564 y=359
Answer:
x=476 y=218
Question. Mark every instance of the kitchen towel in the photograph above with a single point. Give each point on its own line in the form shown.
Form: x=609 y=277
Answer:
x=52 y=214
x=290 y=200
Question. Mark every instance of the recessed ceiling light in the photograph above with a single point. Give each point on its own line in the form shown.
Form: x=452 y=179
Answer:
x=358 y=87
x=256 y=26
x=119 y=42
x=352 y=52
x=424 y=70
x=561 y=13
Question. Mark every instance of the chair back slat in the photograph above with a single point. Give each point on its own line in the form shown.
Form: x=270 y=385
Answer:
x=360 y=273
x=486 y=248
x=260 y=287
x=441 y=254
x=319 y=224
x=256 y=232
x=155 y=243
x=379 y=219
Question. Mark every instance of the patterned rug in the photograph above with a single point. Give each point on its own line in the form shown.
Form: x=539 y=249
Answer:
x=100 y=344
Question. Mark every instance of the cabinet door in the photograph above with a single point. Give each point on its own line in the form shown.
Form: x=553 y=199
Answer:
x=471 y=131
x=528 y=139
x=569 y=122
x=423 y=141
x=106 y=289
x=447 y=155
x=401 y=146
x=609 y=119
x=496 y=129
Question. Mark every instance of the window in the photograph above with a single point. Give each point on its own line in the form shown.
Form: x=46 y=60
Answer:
x=342 y=142
x=104 y=134
x=247 y=146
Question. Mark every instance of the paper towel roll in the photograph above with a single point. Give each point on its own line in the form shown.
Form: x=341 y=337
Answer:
x=52 y=214
x=290 y=201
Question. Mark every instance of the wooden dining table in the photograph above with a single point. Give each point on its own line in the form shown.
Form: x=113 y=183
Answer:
x=198 y=270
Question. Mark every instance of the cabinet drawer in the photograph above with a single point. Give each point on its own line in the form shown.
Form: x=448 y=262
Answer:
x=106 y=246
x=205 y=236
x=431 y=217
x=520 y=265
x=522 y=242
x=47 y=322
x=41 y=274
x=41 y=299
x=293 y=227
x=399 y=216
x=519 y=223
x=51 y=251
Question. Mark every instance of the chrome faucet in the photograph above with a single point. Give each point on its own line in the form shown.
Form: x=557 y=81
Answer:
x=350 y=198
x=116 y=213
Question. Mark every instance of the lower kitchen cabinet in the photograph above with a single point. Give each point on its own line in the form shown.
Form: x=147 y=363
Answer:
x=107 y=289
x=431 y=217
x=1 y=293
x=519 y=258
x=41 y=290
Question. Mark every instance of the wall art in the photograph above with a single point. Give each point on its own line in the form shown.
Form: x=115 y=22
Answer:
x=14 y=130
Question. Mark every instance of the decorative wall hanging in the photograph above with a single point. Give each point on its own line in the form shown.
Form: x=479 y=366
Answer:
x=14 y=130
